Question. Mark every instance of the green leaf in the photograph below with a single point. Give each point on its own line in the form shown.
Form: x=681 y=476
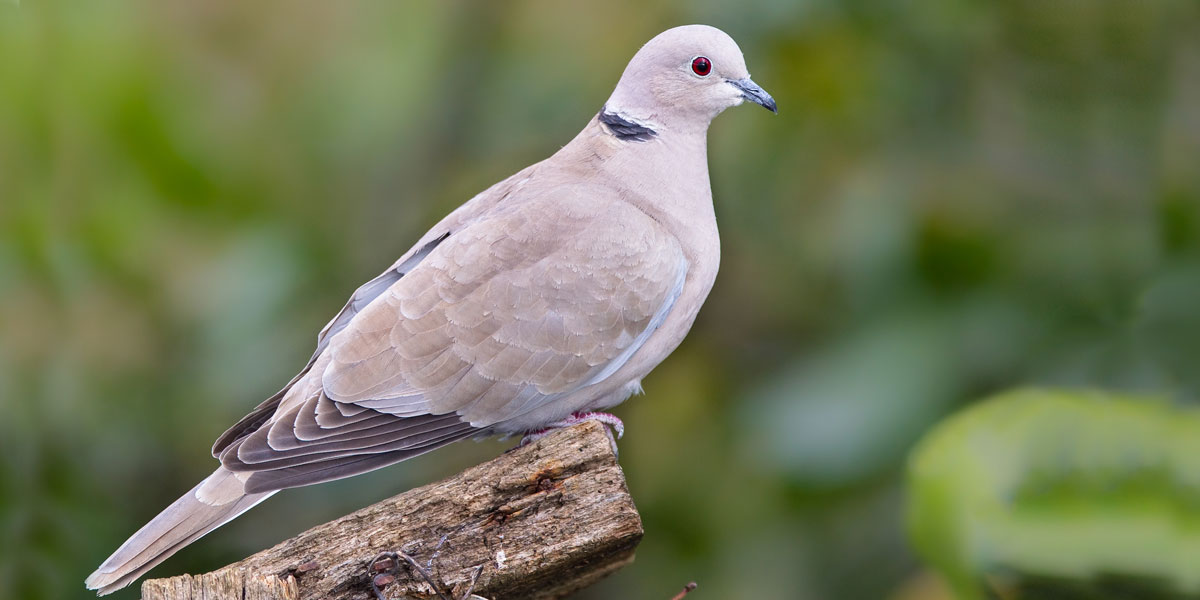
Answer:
x=1061 y=494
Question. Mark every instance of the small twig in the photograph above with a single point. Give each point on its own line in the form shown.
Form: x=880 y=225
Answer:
x=436 y=550
x=424 y=574
x=385 y=576
x=687 y=588
x=474 y=578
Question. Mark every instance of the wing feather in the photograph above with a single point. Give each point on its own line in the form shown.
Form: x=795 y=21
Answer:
x=564 y=313
x=501 y=317
x=328 y=470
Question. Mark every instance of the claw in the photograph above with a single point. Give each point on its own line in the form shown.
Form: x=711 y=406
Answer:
x=601 y=417
x=533 y=436
x=609 y=420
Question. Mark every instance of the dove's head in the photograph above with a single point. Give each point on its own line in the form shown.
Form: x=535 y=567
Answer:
x=683 y=78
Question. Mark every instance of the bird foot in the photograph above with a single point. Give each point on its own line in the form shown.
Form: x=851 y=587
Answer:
x=611 y=422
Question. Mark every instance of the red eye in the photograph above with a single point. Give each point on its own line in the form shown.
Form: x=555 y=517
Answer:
x=701 y=66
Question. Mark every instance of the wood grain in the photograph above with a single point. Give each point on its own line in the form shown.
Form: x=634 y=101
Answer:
x=540 y=521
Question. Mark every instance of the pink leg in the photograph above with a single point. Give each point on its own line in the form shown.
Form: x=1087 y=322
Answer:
x=605 y=418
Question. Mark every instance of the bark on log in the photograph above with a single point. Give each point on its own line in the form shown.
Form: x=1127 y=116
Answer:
x=540 y=521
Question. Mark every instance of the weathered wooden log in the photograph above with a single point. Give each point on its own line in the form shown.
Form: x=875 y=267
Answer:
x=540 y=521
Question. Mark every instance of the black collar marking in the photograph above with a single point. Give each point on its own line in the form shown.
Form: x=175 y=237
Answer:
x=625 y=130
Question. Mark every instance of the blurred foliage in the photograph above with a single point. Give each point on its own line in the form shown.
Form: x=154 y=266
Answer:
x=957 y=196
x=1061 y=494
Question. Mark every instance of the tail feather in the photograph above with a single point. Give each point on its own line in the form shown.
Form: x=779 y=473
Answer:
x=212 y=503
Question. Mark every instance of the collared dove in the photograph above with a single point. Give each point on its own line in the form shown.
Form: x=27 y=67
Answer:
x=541 y=300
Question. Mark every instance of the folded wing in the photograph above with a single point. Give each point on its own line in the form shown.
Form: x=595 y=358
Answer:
x=498 y=319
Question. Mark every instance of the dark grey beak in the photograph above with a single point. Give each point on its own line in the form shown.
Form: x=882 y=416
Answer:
x=753 y=93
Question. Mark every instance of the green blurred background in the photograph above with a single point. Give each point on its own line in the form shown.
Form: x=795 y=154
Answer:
x=956 y=197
